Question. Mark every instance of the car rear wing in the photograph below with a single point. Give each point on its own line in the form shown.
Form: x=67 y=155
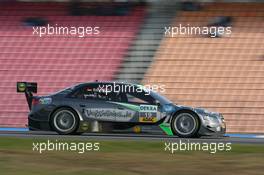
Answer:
x=28 y=88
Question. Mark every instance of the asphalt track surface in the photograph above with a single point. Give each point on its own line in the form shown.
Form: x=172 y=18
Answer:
x=127 y=136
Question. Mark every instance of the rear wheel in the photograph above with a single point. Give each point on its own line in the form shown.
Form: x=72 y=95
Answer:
x=65 y=121
x=185 y=124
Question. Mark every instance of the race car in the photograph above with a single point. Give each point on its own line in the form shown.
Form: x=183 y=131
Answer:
x=114 y=105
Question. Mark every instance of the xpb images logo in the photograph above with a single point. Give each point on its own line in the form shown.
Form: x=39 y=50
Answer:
x=211 y=147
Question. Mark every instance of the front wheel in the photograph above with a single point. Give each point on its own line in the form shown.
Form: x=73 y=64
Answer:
x=65 y=121
x=185 y=124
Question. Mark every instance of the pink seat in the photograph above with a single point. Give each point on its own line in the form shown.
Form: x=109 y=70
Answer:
x=59 y=61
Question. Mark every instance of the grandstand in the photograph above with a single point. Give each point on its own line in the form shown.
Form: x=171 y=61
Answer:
x=58 y=61
x=222 y=74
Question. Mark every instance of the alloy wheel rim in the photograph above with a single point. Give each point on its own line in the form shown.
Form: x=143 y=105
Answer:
x=64 y=121
x=185 y=124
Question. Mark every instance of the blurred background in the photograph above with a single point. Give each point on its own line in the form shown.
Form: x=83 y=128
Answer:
x=224 y=74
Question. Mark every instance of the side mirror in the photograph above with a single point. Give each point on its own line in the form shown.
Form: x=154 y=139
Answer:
x=157 y=103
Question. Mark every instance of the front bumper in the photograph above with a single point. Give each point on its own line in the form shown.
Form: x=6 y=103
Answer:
x=212 y=124
x=212 y=131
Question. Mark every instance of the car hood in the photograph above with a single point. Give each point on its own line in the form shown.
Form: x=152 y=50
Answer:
x=196 y=109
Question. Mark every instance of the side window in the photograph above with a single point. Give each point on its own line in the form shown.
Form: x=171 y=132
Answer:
x=139 y=97
x=96 y=93
x=85 y=93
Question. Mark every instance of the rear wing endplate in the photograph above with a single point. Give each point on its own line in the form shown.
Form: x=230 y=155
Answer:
x=28 y=88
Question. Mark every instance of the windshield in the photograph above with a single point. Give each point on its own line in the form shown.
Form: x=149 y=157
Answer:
x=65 y=90
x=162 y=99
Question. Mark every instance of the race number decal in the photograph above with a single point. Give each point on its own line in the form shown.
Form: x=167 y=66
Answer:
x=148 y=113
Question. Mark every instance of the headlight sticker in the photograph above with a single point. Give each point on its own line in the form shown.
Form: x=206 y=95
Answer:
x=45 y=101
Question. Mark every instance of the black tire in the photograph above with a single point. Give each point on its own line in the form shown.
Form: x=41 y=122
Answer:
x=65 y=121
x=185 y=124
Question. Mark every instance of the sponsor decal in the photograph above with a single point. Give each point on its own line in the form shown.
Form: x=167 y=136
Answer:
x=21 y=87
x=128 y=106
x=148 y=117
x=137 y=129
x=84 y=126
x=148 y=113
x=109 y=114
x=148 y=108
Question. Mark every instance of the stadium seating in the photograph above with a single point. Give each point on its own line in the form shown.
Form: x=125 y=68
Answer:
x=55 y=62
x=222 y=74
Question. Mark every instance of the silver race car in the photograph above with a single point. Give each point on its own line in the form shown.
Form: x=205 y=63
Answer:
x=112 y=105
